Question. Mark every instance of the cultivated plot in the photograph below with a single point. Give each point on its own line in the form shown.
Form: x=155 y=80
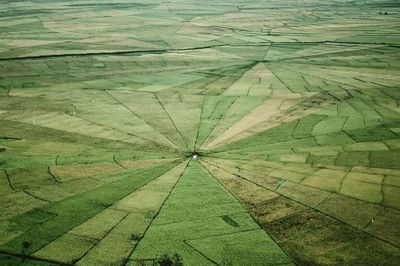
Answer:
x=213 y=133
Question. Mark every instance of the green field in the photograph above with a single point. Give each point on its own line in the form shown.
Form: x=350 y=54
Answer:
x=155 y=132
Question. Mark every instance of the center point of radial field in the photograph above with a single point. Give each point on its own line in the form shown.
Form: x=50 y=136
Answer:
x=193 y=155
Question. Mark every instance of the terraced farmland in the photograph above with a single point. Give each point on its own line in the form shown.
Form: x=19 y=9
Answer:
x=199 y=133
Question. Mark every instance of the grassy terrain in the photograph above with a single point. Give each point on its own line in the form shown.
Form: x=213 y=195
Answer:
x=292 y=108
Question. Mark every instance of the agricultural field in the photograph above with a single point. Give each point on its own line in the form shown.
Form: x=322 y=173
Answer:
x=186 y=132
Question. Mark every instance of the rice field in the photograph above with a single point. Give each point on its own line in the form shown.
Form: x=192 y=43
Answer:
x=199 y=133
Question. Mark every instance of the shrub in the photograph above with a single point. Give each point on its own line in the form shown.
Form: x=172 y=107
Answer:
x=167 y=260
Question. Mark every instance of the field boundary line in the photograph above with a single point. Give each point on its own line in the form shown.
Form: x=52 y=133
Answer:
x=201 y=253
x=170 y=118
x=219 y=120
x=35 y=197
x=318 y=210
x=117 y=130
x=157 y=213
x=138 y=116
x=99 y=240
x=23 y=257
x=104 y=207
x=247 y=211
x=118 y=163
x=53 y=176
x=9 y=181
x=160 y=51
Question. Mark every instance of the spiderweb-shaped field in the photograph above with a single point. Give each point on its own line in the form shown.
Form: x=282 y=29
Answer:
x=293 y=120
